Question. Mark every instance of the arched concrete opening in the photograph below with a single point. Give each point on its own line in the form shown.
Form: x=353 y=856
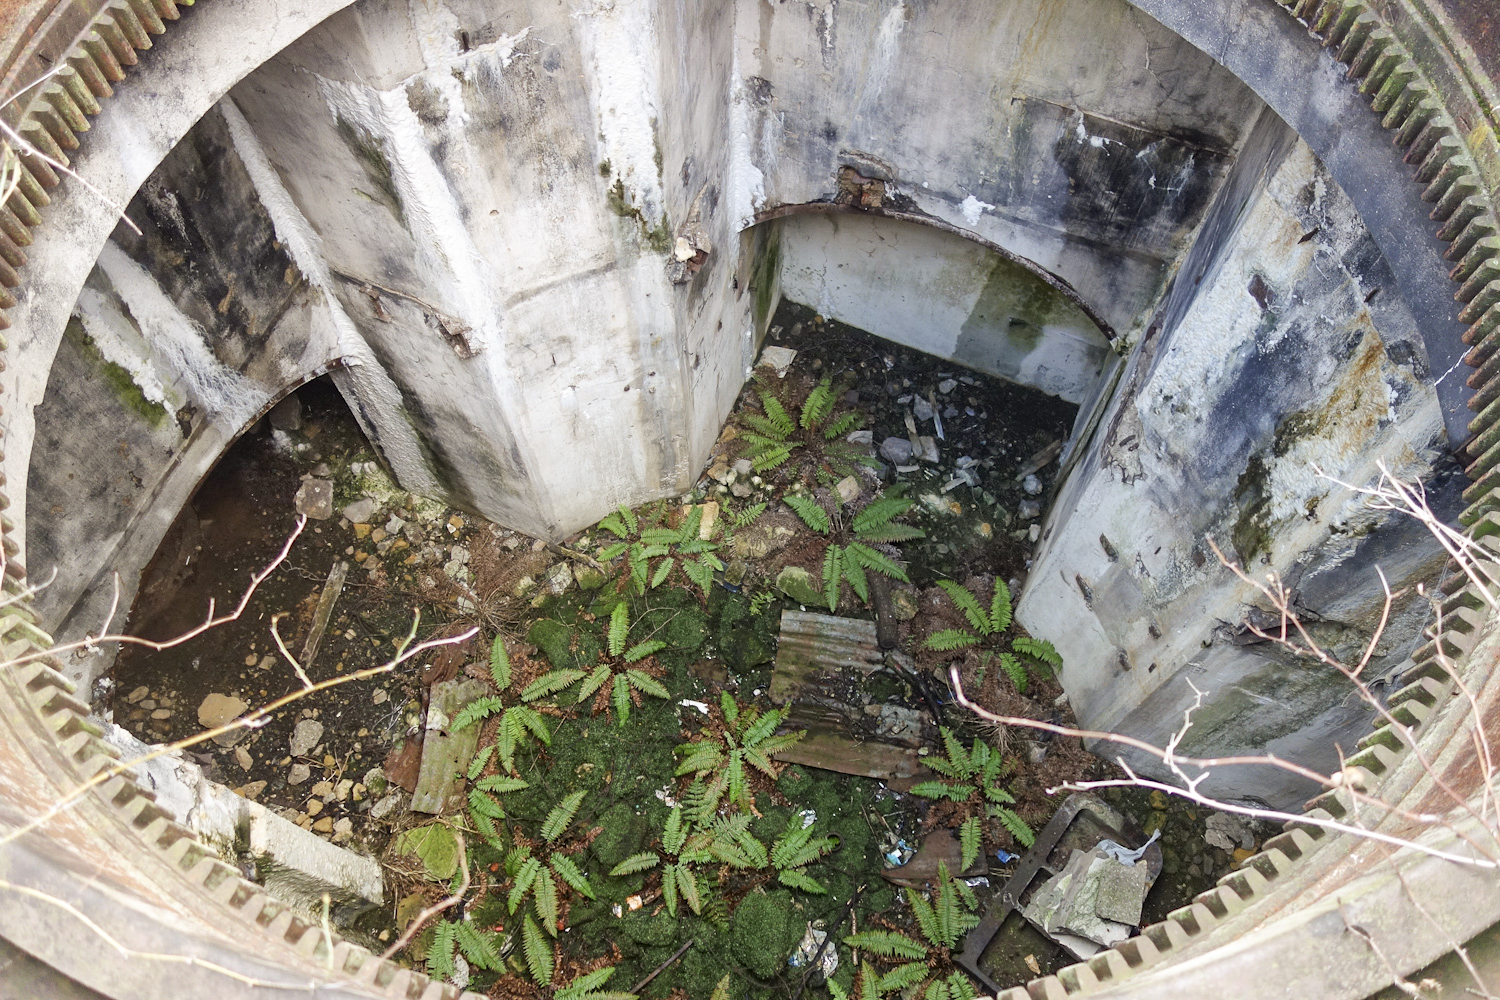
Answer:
x=1256 y=190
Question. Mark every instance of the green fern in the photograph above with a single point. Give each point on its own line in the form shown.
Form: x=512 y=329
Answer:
x=887 y=944
x=474 y=711
x=810 y=511
x=721 y=991
x=973 y=778
x=440 y=952
x=587 y=987
x=636 y=863
x=843 y=425
x=538 y=951
x=949 y=639
x=619 y=628
x=499 y=664
x=777 y=415
x=969 y=605
x=818 y=404
x=748 y=516
x=1000 y=610
x=561 y=815
x=968 y=839
x=1039 y=650
x=1015 y=671
x=478 y=946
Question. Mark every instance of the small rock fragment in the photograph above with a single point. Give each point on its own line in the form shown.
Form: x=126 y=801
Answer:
x=946 y=386
x=243 y=759
x=380 y=697
x=315 y=499
x=1028 y=510
x=298 y=774
x=305 y=737
x=323 y=789
x=136 y=695
x=287 y=414
x=252 y=790
x=921 y=409
x=219 y=709
x=559 y=578
x=778 y=358
x=929 y=449
x=848 y=488
x=324 y=825
x=315 y=806
x=1032 y=485
x=896 y=450
x=361 y=510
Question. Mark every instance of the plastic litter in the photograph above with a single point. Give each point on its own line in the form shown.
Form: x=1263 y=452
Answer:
x=975 y=883
x=811 y=942
x=1125 y=855
x=897 y=852
x=809 y=817
x=690 y=703
x=1005 y=857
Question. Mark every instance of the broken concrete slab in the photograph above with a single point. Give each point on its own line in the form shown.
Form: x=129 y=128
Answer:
x=446 y=754
x=296 y=865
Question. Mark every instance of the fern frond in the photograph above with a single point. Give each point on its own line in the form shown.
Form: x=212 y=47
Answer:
x=768 y=429
x=843 y=425
x=480 y=759
x=890 y=533
x=1017 y=826
x=968 y=840
x=440 y=952
x=538 y=951
x=700 y=572
x=721 y=991
x=1014 y=671
x=702 y=756
x=615 y=526
x=687 y=884
x=735 y=774
x=561 y=815
x=478 y=946
x=663 y=570
x=501 y=783
x=747 y=517
x=878 y=561
x=1038 y=649
x=832 y=576
x=641 y=650
x=969 y=605
x=775 y=745
x=799 y=879
x=592 y=683
x=810 y=511
x=902 y=977
x=480 y=708
x=673 y=833
x=818 y=404
x=569 y=872
x=950 y=639
x=763 y=726
x=776 y=413
x=612 y=552
x=586 y=987
x=646 y=684
x=926 y=915
x=531 y=720
x=954 y=750
x=887 y=944
x=669 y=887
x=644 y=861
x=544 y=892
x=943 y=790
x=628 y=516
x=525 y=879
x=620 y=698
x=1000 y=610
x=729 y=707
x=619 y=628
x=551 y=683
x=499 y=664
x=772 y=458
x=880 y=512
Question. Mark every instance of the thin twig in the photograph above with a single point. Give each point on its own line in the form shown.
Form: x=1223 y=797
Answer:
x=662 y=967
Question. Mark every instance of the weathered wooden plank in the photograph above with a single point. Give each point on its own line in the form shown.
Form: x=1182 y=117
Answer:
x=812 y=647
x=445 y=754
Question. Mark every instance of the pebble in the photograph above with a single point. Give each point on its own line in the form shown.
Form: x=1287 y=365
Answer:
x=380 y=696
x=342 y=790
x=1032 y=485
x=305 y=737
x=946 y=386
x=324 y=825
x=136 y=695
x=895 y=450
x=315 y=499
x=343 y=829
x=323 y=789
x=149 y=705
x=360 y=511
x=1028 y=510
x=315 y=806
x=298 y=774
x=253 y=789
x=219 y=709
x=921 y=409
x=243 y=759
x=1034 y=532
x=162 y=713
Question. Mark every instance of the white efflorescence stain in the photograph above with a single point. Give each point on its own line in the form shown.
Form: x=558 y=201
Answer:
x=620 y=43
x=972 y=208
